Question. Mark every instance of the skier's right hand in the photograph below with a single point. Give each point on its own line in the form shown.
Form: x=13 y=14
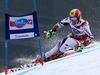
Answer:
x=49 y=33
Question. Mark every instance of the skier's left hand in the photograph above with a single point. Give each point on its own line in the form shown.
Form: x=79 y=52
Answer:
x=80 y=48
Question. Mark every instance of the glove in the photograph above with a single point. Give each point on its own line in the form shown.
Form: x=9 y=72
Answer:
x=49 y=33
x=80 y=48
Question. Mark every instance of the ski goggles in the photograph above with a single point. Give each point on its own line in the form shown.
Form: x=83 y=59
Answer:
x=73 y=18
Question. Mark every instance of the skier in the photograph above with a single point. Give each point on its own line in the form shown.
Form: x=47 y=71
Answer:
x=78 y=39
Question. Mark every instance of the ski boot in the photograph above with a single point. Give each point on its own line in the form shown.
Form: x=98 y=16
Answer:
x=56 y=55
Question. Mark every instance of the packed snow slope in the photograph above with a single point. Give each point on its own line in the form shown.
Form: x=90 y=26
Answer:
x=83 y=63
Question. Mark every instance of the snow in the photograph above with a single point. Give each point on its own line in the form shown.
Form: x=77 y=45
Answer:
x=83 y=63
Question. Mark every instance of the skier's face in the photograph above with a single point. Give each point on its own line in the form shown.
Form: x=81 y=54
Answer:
x=74 y=21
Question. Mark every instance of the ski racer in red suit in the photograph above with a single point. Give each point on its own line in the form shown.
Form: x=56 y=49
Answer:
x=78 y=39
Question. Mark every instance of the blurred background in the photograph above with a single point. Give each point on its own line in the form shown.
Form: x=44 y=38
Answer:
x=49 y=13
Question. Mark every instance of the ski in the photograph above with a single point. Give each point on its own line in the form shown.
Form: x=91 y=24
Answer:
x=69 y=53
x=57 y=56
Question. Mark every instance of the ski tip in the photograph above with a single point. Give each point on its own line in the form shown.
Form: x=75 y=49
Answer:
x=41 y=60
